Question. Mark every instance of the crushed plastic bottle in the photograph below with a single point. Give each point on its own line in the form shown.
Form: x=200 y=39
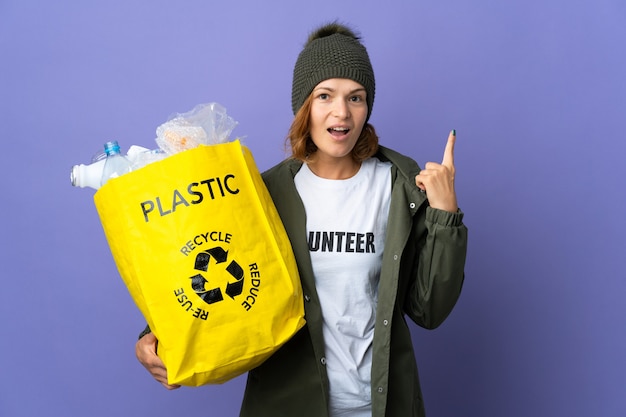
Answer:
x=140 y=156
x=87 y=175
x=115 y=164
x=105 y=165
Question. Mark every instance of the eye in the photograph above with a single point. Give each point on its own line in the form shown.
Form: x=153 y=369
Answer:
x=323 y=96
x=356 y=99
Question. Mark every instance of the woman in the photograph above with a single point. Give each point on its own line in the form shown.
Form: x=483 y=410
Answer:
x=375 y=239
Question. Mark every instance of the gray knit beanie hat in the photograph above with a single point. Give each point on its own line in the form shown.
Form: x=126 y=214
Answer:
x=332 y=51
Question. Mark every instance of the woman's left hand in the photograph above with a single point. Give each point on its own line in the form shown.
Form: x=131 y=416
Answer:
x=438 y=179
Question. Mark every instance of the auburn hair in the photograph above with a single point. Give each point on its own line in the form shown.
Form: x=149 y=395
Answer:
x=303 y=148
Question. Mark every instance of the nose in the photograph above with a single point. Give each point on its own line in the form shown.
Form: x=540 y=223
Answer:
x=341 y=109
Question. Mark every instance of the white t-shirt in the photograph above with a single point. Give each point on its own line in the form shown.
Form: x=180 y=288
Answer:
x=346 y=227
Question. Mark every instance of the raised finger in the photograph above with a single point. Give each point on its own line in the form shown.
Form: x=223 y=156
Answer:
x=448 y=153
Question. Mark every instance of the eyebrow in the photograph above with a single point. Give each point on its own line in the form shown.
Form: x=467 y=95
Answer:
x=361 y=89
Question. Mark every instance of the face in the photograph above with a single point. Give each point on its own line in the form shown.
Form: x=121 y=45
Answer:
x=338 y=113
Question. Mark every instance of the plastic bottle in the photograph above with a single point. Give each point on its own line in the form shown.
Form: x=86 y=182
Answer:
x=140 y=156
x=87 y=175
x=115 y=164
x=106 y=165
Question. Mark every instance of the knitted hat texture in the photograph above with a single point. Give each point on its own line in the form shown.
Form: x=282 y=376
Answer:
x=336 y=55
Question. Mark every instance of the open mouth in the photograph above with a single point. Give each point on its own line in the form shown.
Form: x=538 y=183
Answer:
x=338 y=131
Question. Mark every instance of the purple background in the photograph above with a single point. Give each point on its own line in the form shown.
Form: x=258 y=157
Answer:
x=537 y=93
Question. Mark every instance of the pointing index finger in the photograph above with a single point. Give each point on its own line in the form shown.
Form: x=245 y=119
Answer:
x=448 y=153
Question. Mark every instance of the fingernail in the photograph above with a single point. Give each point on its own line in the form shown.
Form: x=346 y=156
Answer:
x=453 y=132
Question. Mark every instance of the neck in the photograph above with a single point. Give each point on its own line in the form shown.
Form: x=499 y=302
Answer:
x=335 y=171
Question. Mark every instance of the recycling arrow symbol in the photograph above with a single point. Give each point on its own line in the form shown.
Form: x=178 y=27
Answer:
x=198 y=282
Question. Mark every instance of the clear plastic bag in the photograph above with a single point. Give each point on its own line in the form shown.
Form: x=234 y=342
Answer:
x=205 y=124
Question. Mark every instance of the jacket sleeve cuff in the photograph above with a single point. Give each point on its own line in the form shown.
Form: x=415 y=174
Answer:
x=444 y=218
x=145 y=332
